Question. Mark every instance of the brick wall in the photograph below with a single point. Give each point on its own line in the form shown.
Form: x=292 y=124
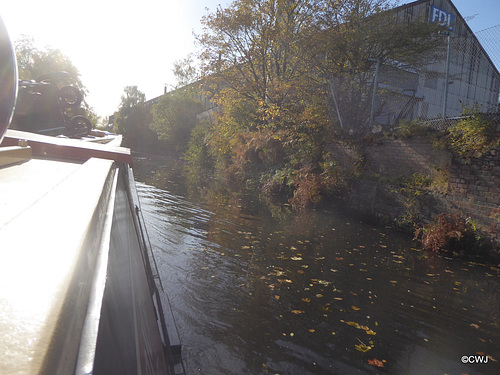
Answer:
x=472 y=188
x=402 y=157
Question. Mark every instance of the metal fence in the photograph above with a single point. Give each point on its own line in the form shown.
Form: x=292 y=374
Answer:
x=468 y=76
x=489 y=39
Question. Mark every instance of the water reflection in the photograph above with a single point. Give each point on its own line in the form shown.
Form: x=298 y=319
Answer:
x=313 y=292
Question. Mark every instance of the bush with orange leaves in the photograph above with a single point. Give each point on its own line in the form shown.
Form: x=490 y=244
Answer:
x=308 y=188
x=444 y=233
x=311 y=187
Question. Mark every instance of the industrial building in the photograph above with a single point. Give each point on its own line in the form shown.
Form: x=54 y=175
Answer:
x=466 y=76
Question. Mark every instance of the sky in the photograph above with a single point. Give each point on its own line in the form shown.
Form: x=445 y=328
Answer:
x=119 y=43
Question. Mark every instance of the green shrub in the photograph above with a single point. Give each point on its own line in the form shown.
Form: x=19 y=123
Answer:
x=198 y=152
x=414 y=128
x=474 y=135
x=407 y=191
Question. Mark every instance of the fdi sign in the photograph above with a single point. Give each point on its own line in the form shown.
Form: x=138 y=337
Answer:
x=441 y=17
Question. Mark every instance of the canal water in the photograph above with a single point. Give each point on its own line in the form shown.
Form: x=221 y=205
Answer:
x=260 y=289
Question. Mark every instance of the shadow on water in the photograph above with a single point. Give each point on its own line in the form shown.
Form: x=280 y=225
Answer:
x=258 y=291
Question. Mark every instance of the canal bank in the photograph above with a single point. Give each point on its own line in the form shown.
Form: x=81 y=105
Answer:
x=411 y=180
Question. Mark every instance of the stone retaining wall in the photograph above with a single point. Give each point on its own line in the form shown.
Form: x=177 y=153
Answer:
x=468 y=188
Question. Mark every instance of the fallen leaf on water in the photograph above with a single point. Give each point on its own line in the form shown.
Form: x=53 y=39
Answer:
x=370 y=332
x=376 y=362
x=276 y=273
x=306 y=300
x=362 y=347
x=298 y=311
x=296 y=258
x=319 y=295
x=355 y=308
x=312 y=330
x=277 y=297
x=393 y=281
x=338 y=298
x=474 y=325
x=301 y=272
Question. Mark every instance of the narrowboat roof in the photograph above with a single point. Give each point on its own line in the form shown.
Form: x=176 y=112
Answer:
x=51 y=218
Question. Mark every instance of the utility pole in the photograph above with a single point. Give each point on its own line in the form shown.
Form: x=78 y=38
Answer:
x=375 y=84
x=447 y=73
x=332 y=89
x=447 y=20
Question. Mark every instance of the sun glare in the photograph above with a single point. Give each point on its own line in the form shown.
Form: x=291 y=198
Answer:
x=112 y=43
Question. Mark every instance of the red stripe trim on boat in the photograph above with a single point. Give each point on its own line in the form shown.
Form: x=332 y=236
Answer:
x=64 y=148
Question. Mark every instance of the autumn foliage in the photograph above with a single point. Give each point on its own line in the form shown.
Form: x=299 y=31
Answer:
x=287 y=77
x=443 y=233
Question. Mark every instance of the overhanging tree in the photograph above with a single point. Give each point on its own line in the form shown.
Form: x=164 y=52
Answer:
x=274 y=55
x=255 y=70
x=272 y=66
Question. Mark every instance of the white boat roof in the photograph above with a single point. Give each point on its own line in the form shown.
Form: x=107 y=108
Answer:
x=53 y=208
x=46 y=211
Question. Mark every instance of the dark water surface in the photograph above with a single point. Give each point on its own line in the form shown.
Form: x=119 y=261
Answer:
x=260 y=291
